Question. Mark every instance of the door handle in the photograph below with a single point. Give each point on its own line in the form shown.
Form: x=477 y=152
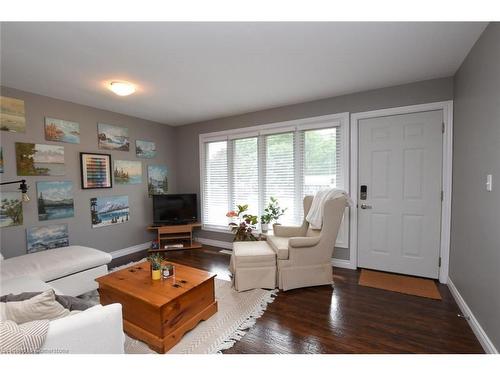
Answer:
x=366 y=206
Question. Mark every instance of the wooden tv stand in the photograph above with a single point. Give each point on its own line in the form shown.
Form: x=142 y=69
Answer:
x=175 y=234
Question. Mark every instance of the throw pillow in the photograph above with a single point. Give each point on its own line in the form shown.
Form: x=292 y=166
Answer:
x=39 y=307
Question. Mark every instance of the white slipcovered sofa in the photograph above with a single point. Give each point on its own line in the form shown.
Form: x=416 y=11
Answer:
x=71 y=271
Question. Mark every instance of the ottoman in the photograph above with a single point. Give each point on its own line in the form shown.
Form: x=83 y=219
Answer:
x=253 y=265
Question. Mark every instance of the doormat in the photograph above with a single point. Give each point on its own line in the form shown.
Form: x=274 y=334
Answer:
x=415 y=286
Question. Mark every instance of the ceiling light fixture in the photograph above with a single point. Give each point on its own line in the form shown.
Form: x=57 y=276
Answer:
x=122 y=88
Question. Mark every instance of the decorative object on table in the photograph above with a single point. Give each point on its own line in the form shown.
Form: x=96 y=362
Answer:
x=11 y=209
x=157 y=179
x=155 y=261
x=55 y=200
x=95 y=171
x=243 y=224
x=145 y=149
x=1 y=159
x=62 y=130
x=47 y=237
x=127 y=172
x=272 y=212
x=167 y=270
x=12 y=117
x=111 y=210
x=113 y=137
x=155 y=245
x=33 y=159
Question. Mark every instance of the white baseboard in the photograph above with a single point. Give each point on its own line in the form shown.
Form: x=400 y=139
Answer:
x=342 y=263
x=216 y=243
x=130 y=250
x=483 y=338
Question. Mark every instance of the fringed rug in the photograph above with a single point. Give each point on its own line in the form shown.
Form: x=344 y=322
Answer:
x=237 y=312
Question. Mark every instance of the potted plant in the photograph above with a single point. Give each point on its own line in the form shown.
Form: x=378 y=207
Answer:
x=155 y=260
x=243 y=224
x=272 y=212
x=265 y=220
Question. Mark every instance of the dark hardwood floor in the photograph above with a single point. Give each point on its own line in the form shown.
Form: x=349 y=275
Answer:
x=346 y=319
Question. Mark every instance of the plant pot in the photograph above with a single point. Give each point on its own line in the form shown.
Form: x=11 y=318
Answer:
x=264 y=227
x=156 y=274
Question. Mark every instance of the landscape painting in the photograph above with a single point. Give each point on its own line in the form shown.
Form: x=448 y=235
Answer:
x=47 y=237
x=113 y=137
x=62 y=130
x=12 y=116
x=109 y=210
x=145 y=149
x=55 y=200
x=127 y=172
x=157 y=179
x=1 y=159
x=39 y=160
x=11 y=209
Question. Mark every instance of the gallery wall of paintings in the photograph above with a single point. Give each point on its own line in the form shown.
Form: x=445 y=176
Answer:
x=91 y=174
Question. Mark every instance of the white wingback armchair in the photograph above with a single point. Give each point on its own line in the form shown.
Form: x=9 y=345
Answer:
x=304 y=254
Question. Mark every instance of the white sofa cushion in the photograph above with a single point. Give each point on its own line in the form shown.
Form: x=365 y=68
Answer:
x=55 y=263
x=279 y=245
x=253 y=254
x=18 y=285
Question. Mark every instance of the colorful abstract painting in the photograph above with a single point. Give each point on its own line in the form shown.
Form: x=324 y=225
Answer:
x=62 y=130
x=109 y=210
x=11 y=209
x=47 y=237
x=55 y=200
x=39 y=160
x=12 y=117
x=145 y=149
x=1 y=159
x=127 y=172
x=96 y=170
x=113 y=137
x=157 y=179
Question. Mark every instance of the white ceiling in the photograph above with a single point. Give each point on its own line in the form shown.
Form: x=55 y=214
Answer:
x=190 y=72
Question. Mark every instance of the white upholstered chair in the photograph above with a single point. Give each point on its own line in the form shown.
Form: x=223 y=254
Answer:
x=304 y=254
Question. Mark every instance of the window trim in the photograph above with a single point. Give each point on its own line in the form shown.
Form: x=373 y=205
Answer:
x=317 y=122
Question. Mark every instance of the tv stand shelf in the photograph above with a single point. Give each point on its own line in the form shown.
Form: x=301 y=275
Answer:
x=168 y=235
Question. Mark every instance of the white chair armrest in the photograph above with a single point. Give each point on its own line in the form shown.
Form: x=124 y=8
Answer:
x=303 y=241
x=93 y=331
x=287 y=231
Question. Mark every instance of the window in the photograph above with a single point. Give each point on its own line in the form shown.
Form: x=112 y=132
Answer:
x=286 y=160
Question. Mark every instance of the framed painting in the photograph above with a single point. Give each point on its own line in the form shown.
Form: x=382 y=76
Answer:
x=145 y=149
x=47 y=237
x=62 y=130
x=127 y=172
x=106 y=211
x=112 y=137
x=33 y=159
x=12 y=117
x=95 y=171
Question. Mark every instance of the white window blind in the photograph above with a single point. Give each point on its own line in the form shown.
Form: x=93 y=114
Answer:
x=286 y=163
x=215 y=184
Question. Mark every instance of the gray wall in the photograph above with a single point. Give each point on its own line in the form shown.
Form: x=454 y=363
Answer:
x=13 y=239
x=475 y=235
x=187 y=136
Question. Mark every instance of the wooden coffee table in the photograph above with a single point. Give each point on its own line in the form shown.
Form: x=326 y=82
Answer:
x=160 y=312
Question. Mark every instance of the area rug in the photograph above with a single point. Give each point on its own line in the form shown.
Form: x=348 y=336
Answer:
x=415 y=286
x=237 y=312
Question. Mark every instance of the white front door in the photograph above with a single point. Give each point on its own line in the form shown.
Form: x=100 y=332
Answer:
x=400 y=164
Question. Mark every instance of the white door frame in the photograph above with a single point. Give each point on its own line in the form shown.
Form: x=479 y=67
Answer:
x=447 y=108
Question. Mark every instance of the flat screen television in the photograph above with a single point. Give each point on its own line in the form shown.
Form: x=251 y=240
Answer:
x=172 y=209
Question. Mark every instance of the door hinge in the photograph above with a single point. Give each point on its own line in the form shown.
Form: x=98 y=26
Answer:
x=442 y=128
x=442 y=195
x=439 y=262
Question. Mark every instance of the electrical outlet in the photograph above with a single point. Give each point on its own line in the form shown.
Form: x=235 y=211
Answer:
x=489 y=182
